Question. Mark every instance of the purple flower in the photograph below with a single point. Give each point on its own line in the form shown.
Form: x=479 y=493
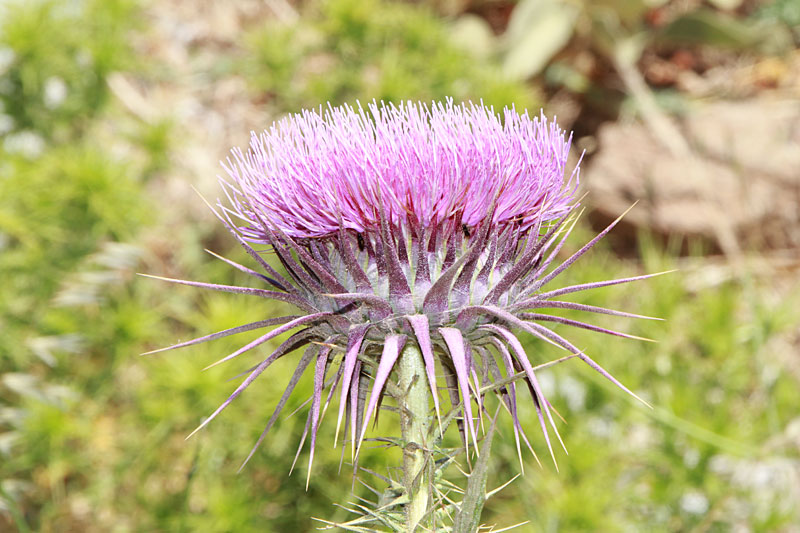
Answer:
x=437 y=226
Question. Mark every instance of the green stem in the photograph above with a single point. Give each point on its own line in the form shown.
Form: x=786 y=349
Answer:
x=414 y=427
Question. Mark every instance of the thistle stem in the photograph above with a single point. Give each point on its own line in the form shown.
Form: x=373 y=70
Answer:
x=414 y=426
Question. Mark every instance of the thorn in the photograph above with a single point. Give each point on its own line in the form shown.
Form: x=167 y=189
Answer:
x=162 y=278
x=557 y=414
x=198 y=428
x=641 y=400
x=626 y=211
x=664 y=272
x=501 y=487
x=212 y=365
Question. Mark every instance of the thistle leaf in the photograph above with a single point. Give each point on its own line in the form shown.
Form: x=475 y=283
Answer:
x=468 y=517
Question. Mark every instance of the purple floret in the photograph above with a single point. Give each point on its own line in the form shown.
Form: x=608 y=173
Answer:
x=438 y=166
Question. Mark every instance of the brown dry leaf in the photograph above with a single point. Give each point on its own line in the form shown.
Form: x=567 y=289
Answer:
x=740 y=187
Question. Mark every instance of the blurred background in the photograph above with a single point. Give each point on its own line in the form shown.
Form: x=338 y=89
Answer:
x=111 y=111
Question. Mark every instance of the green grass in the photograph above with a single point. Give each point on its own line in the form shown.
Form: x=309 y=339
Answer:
x=60 y=55
x=341 y=51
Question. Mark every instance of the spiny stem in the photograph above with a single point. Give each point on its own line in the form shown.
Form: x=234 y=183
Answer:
x=414 y=426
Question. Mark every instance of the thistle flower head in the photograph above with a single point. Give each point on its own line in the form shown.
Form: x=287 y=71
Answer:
x=434 y=225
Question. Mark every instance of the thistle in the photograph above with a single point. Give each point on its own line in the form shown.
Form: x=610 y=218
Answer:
x=416 y=242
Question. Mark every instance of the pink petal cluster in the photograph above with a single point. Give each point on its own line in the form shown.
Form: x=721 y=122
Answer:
x=424 y=166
